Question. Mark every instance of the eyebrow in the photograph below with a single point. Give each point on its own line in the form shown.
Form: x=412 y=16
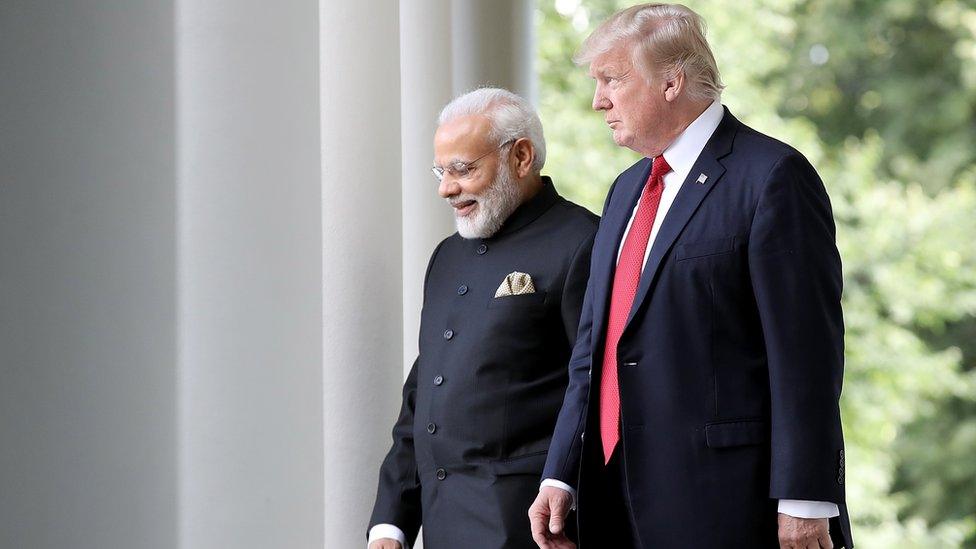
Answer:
x=457 y=160
x=450 y=162
x=614 y=70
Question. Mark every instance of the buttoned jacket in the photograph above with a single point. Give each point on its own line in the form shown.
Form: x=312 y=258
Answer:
x=481 y=400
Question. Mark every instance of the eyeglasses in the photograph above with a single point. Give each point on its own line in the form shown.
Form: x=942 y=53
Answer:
x=462 y=170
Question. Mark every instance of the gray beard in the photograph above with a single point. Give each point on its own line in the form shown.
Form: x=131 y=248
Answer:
x=495 y=204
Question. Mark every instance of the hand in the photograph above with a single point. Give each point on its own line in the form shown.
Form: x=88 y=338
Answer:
x=385 y=543
x=548 y=517
x=802 y=533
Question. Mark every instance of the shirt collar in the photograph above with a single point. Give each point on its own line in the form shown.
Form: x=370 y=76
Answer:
x=682 y=154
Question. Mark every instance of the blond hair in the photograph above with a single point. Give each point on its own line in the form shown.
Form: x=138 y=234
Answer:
x=667 y=39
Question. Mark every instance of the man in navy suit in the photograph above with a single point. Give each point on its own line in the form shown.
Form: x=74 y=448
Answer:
x=702 y=409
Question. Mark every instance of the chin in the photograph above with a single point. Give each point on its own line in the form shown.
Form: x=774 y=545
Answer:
x=622 y=140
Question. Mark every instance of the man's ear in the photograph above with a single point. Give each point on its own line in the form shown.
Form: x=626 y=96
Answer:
x=674 y=86
x=523 y=154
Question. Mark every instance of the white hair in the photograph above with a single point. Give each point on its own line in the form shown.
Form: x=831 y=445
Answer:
x=511 y=117
x=667 y=39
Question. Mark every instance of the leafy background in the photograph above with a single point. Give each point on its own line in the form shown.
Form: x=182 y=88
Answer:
x=880 y=95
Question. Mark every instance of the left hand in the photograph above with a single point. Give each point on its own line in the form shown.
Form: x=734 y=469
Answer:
x=547 y=516
x=802 y=533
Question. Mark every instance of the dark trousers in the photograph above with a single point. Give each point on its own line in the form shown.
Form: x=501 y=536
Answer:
x=609 y=518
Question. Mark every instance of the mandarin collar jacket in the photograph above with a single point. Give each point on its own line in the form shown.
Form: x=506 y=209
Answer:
x=481 y=400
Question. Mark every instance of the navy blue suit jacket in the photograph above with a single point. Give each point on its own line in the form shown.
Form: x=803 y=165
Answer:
x=731 y=363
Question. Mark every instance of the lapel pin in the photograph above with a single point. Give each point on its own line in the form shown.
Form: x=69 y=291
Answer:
x=702 y=178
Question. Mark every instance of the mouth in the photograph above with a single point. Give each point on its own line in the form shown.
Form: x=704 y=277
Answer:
x=464 y=207
x=612 y=122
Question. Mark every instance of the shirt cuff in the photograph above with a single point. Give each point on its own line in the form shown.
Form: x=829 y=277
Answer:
x=387 y=531
x=562 y=486
x=808 y=509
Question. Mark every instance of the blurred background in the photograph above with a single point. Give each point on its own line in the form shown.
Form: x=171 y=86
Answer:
x=215 y=217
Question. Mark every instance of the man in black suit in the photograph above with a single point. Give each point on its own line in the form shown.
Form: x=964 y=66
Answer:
x=702 y=410
x=502 y=299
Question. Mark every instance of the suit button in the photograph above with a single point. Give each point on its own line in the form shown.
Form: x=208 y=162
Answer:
x=482 y=249
x=462 y=289
x=431 y=428
x=448 y=334
x=438 y=380
x=441 y=474
x=630 y=364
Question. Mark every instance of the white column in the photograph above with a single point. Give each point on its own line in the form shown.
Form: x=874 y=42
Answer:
x=425 y=87
x=87 y=275
x=250 y=293
x=493 y=45
x=361 y=264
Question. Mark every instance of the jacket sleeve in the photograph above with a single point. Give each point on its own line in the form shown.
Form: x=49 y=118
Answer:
x=563 y=460
x=398 y=494
x=565 y=450
x=797 y=281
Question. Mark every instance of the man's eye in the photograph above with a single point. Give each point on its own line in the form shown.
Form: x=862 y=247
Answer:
x=461 y=170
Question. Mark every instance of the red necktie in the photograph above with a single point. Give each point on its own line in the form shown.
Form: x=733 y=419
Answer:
x=625 y=281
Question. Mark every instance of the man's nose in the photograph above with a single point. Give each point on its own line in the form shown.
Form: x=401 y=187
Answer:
x=600 y=101
x=448 y=186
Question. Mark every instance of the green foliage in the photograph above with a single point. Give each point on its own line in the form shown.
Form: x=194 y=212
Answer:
x=904 y=69
x=942 y=439
x=880 y=96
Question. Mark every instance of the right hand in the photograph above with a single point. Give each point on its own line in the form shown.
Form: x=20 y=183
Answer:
x=548 y=518
x=385 y=543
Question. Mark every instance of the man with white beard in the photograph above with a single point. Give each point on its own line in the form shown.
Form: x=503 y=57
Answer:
x=502 y=299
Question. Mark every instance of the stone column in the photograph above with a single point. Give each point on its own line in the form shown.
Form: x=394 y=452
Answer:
x=250 y=324
x=425 y=87
x=493 y=45
x=362 y=293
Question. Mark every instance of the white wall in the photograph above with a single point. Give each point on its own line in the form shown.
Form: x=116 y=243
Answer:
x=87 y=275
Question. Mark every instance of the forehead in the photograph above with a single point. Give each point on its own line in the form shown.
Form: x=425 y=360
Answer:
x=459 y=138
x=615 y=60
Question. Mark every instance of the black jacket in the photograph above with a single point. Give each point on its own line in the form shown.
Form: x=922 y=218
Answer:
x=481 y=400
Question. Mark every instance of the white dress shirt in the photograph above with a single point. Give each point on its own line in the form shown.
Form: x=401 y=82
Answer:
x=681 y=156
x=387 y=531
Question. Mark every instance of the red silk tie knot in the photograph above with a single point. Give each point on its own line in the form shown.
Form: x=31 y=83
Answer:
x=659 y=169
x=626 y=278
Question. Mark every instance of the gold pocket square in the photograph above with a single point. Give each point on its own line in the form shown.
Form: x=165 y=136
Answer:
x=516 y=284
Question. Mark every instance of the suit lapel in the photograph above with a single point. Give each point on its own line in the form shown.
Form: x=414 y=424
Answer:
x=685 y=204
x=629 y=190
